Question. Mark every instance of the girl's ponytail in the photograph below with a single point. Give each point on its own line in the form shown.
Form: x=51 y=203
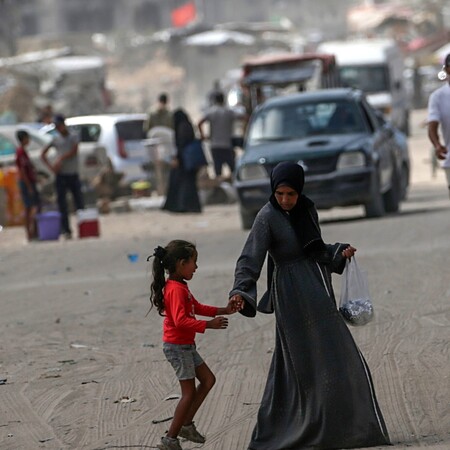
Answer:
x=159 y=280
x=165 y=260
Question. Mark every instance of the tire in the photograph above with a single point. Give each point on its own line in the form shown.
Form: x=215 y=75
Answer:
x=375 y=206
x=404 y=183
x=406 y=126
x=247 y=219
x=391 y=199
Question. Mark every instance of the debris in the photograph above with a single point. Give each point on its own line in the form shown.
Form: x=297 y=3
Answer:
x=57 y=375
x=161 y=420
x=133 y=257
x=125 y=399
x=172 y=397
x=3 y=381
x=73 y=345
x=67 y=361
x=87 y=382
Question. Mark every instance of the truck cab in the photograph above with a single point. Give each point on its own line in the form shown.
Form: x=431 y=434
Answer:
x=376 y=67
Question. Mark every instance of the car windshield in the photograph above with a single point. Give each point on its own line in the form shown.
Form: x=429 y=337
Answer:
x=131 y=130
x=367 y=79
x=86 y=132
x=299 y=120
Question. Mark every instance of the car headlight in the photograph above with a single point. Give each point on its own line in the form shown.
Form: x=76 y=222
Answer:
x=351 y=160
x=252 y=172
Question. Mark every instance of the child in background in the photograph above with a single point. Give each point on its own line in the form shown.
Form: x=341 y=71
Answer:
x=175 y=302
x=27 y=184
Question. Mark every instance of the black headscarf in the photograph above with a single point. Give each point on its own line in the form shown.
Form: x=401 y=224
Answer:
x=306 y=229
x=184 y=131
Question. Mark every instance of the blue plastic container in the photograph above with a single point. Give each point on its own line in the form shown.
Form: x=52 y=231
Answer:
x=49 y=225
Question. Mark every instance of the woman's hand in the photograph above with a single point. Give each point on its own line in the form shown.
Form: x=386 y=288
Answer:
x=348 y=252
x=236 y=302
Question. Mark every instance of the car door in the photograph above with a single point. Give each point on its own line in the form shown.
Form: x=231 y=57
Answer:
x=382 y=146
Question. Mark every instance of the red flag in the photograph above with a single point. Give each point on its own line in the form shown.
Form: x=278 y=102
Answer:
x=183 y=15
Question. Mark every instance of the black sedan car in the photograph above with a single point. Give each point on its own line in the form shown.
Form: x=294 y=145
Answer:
x=350 y=154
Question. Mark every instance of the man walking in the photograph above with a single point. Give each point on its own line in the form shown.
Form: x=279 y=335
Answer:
x=221 y=123
x=65 y=167
x=439 y=114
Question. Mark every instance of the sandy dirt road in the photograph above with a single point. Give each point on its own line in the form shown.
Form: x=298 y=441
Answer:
x=84 y=367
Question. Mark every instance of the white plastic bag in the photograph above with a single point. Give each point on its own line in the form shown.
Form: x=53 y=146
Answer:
x=355 y=304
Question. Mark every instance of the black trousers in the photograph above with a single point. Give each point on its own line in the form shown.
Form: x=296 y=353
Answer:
x=66 y=183
x=222 y=156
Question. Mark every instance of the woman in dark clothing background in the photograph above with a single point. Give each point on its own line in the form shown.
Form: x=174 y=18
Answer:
x=182 y=194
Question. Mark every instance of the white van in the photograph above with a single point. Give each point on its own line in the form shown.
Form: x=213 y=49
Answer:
x=376 y=66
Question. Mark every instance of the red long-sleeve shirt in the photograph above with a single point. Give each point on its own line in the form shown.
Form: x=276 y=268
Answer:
x=180 y=307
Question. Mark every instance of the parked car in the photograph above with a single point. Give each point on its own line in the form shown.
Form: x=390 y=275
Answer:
x=122 y=136
x=350 y=154
x=92 y=159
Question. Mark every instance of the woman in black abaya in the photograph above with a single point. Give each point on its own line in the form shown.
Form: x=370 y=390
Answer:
x=182 y=194
x=319 y=392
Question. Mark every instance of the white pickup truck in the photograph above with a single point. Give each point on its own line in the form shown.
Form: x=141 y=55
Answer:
x=375 y=66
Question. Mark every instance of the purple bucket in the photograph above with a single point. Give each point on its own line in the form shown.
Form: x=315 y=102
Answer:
x=49 y=225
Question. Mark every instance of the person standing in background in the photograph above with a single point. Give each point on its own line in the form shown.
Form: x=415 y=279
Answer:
x=27 y=184
x=66 y=170
x=160 y=116
x=182 y=194
x=221 y=124
x=159 y=126
x=439 y=114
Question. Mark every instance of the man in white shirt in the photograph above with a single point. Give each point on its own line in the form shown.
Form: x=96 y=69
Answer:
x=439 y=115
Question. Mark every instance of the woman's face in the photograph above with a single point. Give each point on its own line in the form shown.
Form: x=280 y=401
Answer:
x=286 y=197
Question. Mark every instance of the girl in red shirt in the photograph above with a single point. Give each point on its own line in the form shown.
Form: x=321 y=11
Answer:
x=176 y=303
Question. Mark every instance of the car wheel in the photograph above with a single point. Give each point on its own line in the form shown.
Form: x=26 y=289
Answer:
x=391 y=198
x=247 y=219
x=407 y=129
x=375 y=206
x=404 y=183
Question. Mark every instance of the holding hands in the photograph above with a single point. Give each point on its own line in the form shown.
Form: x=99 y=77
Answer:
x=235 y=304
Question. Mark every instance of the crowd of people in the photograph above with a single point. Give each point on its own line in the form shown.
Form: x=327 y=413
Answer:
x=175 y=131
x=174 y=180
